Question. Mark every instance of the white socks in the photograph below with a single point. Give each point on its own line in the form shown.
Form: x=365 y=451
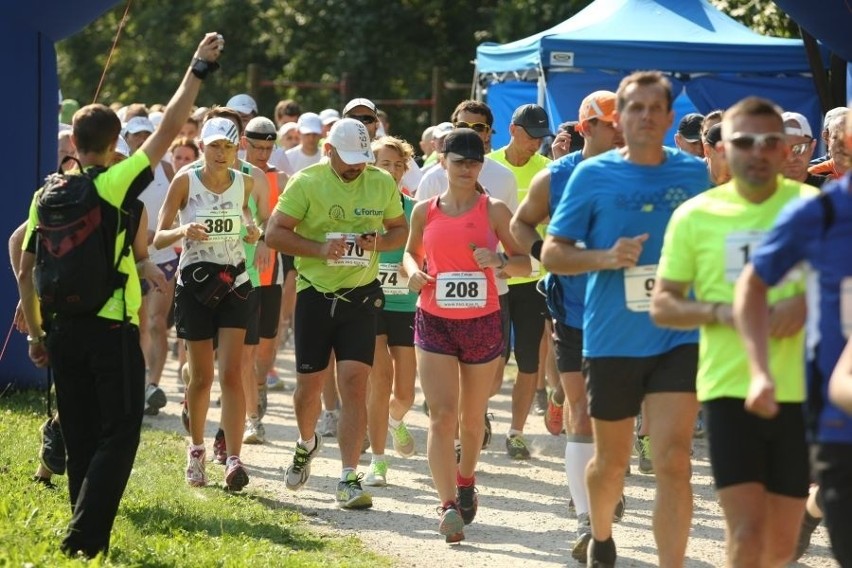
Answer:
x=578 y=453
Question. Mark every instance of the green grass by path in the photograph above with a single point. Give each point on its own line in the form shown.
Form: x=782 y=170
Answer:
x=161 y=521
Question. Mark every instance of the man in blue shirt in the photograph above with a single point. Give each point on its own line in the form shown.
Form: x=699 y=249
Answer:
x=618 y=204
x=566 y=294
x=817 y=231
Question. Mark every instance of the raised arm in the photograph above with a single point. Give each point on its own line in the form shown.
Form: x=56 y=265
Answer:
x=180 y=105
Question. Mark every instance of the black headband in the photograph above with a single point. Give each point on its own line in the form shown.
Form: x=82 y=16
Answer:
x=259 y=135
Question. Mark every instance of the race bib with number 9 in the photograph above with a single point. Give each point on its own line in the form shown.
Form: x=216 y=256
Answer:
x=393 y=283
x=353 y=255
x=638 y=284
x=220 y=224
x=461 y=289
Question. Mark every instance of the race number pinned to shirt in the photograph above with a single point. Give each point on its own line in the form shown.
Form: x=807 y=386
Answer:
x=461 y=289
x=739 y=246
x=846 y=306
x=393 y=283
x=220 y=224
x=353 y=255
x=638 y=284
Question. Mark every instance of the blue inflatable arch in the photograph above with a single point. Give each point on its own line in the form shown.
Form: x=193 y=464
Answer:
x=28 y=33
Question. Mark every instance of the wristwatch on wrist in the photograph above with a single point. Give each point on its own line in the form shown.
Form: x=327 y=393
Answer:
x=36 y=340
x=201 y=68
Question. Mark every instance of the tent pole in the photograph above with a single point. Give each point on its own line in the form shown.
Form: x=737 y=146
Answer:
x=817 y=70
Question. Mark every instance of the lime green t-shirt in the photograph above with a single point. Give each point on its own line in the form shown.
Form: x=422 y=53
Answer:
x=707 y=243
x=326 y=207
x=113 y=186
x=524 y=175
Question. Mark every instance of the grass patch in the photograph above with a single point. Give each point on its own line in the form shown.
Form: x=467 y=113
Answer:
x=161 y=522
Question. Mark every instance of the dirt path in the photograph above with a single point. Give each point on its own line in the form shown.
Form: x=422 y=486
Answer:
x=522 y=515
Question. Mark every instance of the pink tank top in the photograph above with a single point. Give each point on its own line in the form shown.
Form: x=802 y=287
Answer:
x=462 y=290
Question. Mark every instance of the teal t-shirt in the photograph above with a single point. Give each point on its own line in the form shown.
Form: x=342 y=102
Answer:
x=398 y=298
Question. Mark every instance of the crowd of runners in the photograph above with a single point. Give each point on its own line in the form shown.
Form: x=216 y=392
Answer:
x=648 y=293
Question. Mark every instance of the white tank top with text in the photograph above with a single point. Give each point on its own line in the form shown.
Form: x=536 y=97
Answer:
x=221 y=213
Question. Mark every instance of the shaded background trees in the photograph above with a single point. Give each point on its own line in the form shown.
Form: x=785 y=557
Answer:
x=381 y=50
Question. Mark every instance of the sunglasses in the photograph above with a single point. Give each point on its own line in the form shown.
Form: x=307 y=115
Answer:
x=800 y=149
x=745 y=141
x=363 y=118
x=260 y=148
x=476 y=126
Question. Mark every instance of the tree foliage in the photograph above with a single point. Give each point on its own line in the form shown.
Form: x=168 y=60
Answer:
x=762 y=16
x=383 y=50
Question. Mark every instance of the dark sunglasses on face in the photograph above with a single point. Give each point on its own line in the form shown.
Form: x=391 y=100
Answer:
x=477 y=126
x=363 y=118
x=746 y=141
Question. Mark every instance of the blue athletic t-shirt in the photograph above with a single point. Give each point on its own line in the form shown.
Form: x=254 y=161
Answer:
x=607 y=198
x=803 y=231
x=565 y=294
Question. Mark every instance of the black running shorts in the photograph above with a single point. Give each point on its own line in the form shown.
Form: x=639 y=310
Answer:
x=745 y=448
x=617 y=385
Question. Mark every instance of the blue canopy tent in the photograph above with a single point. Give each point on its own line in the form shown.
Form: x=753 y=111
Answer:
x=710 y=57
x=27 y=36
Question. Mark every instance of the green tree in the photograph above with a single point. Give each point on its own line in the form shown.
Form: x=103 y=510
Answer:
x=762 y=16
x=382 y=50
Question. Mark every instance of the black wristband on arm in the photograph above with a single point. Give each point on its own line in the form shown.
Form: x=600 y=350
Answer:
x=535 y=251
x=201 y=68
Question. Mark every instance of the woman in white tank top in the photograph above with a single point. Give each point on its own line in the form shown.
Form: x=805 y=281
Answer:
x=210 y=299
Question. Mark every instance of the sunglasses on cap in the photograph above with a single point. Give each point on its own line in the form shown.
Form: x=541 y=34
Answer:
x=476 y=126
x=800 y=149
x=363 y=118
x=746 y=141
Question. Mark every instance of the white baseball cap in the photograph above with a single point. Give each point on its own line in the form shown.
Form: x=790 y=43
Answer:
x=139 y=124
x=243 y=104
x=219 y=129
x=796 y=124
x=351 y=141
x=310 y=123
x=359 y=102
x=156 y=118
x=121 y=146
x=329 y=116
x=287 y=127
x=442 y=130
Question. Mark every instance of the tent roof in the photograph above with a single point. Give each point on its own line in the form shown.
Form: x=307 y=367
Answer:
x=686 y=36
